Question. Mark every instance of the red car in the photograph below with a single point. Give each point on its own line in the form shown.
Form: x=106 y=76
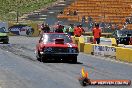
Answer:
x=56 y=46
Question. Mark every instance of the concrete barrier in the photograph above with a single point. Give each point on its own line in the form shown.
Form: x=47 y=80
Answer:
x=113 y=40
x=104 y=50
x=130 y=55
x=103 y=41
x=88 y=39
x=120 y=53
x=108 y=41
x=83 y=40
x=81 y=44
x=76 y=40
x=124 y=54
x=127 y=46
x=88 y=48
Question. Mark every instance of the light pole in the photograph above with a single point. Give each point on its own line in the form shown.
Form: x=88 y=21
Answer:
x=17 y=14
x=18 y=5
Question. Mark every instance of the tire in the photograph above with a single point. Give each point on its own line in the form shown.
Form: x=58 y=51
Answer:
x=43 y=59
x=74 y=59
x=39 y=59
x=38 y=56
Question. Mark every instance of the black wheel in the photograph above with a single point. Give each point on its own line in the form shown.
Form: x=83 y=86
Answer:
x=38 y=56
x=43 y=59
x=74 y=59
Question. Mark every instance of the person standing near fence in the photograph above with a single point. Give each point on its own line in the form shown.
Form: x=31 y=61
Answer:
x=41 y=31
x=71 y=29
x=96 y=33
x=45 y=28
x=78 y=31
x=59 y=29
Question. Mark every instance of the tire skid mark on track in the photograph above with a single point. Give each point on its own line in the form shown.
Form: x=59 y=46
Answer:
x=17 y=51
x=25 y=48
x=19 y=46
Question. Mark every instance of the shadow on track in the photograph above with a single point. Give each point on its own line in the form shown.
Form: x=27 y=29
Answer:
x=61 y=61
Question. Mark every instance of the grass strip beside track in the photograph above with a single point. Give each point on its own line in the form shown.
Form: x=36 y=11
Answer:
x=8 y=8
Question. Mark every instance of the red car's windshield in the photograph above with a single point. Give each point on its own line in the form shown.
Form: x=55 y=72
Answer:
x=48 y=38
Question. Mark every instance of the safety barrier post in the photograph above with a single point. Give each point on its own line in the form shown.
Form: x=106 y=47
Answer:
x=76 y=40
x=81 y=44
x=88 y=48
x=124 y=54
